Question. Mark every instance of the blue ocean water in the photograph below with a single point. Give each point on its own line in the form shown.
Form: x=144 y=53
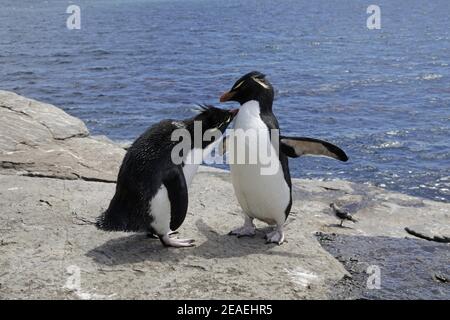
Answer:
x=382 y=95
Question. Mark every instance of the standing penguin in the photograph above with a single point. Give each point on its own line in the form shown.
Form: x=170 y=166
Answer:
x=152 y=191
x=267 y=197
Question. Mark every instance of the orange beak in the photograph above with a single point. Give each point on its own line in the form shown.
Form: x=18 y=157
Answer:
x=226 y=96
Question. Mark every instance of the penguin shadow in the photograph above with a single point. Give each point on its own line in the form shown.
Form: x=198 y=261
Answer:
x=139 y=248
x=219 y=245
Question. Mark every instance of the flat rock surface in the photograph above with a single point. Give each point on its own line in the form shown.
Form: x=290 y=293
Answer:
x=47 y=233
x=39 y=139
x=46 y=229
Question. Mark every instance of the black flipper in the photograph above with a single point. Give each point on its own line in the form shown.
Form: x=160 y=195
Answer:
x=298 y=146
x=178 y=196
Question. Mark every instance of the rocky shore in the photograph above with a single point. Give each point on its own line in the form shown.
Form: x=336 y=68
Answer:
x=55 y=179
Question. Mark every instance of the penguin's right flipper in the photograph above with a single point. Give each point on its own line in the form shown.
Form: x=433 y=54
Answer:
x=298 y=146
x=177 y=191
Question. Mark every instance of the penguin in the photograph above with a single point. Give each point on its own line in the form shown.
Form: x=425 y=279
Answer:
x=152 y=190
x=267 y=197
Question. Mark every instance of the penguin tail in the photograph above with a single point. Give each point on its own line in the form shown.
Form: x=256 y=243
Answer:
x=353 y=220
x=123 y=214
x=104 y=222
x=114 y=218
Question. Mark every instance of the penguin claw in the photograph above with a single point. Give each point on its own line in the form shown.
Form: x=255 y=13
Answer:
x=186 y=240
x=152 y=236
x=177 y=243
x=276 y=236
x=242 y=232
x=247 y=230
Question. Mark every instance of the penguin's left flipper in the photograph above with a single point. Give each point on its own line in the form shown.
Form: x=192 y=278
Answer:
x=177 y=191
x=299 y=146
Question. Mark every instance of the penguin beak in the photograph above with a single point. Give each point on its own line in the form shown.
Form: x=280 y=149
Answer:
x=227 y=96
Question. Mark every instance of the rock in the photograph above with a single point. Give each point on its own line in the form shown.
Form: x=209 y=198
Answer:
x=48 y=243
x=38 y=139
x=47 y=225
x=441 y=278
x=390 y=268
x=431 y=231
x=59 y=124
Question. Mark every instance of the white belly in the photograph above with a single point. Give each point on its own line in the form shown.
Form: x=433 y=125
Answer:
x=160 y=204
x=261 y=196
x=160 y=211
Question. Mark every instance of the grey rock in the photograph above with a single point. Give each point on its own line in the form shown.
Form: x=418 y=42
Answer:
x=390 y=268
x=59 y=124
x=38 y=139
x=47 y=227
x=431 y=231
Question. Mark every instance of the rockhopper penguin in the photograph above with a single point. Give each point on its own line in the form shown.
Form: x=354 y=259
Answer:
x=152 y=191
x=267 y=197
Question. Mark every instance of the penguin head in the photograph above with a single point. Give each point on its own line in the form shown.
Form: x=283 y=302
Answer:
x=252 y=86
x=213 y=118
